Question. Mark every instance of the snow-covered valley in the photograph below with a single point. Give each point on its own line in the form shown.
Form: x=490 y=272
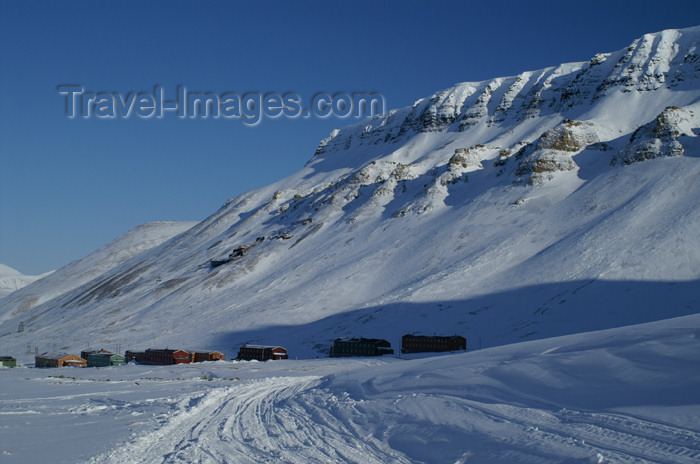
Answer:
x=627 y=395
x=550 y=218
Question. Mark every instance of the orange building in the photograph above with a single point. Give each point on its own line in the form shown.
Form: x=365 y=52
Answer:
x=58 y=360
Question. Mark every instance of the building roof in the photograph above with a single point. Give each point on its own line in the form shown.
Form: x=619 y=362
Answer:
x=263 y=347
x=165 y=350
x=56 y=355
x=108 y=355
x=361 y=340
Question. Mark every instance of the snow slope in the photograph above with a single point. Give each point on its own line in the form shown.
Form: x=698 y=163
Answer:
x=547 y=203
x=11 y=280
x=626 y=395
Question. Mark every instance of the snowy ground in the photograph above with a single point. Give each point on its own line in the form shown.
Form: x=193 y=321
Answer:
x=628 y=395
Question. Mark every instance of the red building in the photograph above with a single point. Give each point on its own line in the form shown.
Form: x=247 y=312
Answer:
x=201 y=356
x=262 y=353
x=167 y=356
x=419 y=343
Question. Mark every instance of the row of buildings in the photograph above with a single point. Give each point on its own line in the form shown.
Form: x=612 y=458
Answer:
x=166 y=356
x=342 y=347
x=87 y=358
x=172 y=356
x=103 y=358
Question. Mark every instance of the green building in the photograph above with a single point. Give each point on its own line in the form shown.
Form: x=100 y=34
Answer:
x=8 y=361
x=360 y=347
x=102 y=359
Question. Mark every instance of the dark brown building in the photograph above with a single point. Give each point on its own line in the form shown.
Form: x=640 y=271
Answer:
x=167 y=356
x=201 y=356
x=262 y=353
x=360 y=347
x=420 y=343
x=138 y=356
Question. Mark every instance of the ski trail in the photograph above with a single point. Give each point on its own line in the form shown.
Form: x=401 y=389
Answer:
x=250 y=423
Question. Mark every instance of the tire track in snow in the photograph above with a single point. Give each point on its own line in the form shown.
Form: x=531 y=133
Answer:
x=252 y=422
x=296 y=420
x=614 y=437
x=157 y=445
x=636 y=437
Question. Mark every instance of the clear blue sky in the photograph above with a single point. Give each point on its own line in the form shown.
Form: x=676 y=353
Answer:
x=68 y=186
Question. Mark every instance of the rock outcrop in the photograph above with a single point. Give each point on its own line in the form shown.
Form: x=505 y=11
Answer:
x=659 y=138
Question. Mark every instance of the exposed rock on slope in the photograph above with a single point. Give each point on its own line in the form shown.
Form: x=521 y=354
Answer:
x=553 y=151
x=658 y=138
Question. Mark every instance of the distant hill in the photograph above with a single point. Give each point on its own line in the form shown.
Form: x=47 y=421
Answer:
x=11 y=280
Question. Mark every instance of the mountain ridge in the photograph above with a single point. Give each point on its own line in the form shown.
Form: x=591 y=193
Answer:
x=635 y=68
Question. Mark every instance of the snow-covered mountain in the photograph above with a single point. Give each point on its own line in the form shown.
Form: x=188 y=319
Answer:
x=11 y=279
x=551 y=202
x=78 y=272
